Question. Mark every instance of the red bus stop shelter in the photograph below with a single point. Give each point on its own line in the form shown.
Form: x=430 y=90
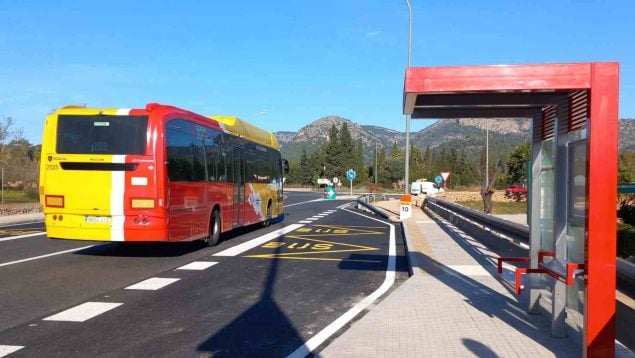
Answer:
x=573 y=183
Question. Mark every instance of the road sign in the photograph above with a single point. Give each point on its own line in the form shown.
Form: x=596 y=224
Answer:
x=445 y=175
x=336 y=180
x=329 y=193
x=351 y=174
x=438 y=179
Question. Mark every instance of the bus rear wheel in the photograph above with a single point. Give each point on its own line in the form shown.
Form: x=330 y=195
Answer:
x=268 y=217
x=214 y=229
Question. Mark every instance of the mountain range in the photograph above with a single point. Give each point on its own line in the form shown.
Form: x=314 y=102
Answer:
x=467 y=134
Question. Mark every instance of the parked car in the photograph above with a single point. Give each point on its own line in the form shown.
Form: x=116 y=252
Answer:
x=515 y=191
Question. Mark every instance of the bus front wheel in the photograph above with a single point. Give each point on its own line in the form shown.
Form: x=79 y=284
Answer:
x=214 y=229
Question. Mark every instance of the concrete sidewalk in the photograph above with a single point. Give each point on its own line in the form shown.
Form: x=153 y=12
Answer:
x=452 y=306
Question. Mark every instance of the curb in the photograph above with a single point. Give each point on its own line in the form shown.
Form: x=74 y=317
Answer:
x=21 y=218
x=412 y=261
x=626 y=270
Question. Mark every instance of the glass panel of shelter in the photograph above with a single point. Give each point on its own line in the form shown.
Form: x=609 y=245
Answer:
x=561 y=208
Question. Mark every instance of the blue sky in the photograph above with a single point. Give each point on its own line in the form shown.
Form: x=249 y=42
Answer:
x=295 y=60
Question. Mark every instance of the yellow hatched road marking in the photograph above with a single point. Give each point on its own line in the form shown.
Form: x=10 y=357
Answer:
x=312 y=247
x=337 y=230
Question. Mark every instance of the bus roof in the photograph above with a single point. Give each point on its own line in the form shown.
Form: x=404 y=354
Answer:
x=233 y=125
x=247 y=130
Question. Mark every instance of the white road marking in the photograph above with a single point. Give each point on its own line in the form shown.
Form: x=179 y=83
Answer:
x=245 y=246
x=321 y=215
x=6 y=350
x=83 y=312
x=304 y=202
x=198 y=265
x=22 y=236
x=43 y=256
x=343 y=206
x=152 y=284
x=305 y=222
x=336 y=325
x=314 y=218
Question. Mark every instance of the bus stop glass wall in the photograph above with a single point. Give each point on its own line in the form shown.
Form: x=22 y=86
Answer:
x=576 y=214
x=547 y=194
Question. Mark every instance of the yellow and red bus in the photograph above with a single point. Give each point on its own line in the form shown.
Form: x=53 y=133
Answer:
x=156 y=174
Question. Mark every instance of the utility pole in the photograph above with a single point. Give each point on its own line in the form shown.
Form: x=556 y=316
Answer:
x=407 y=165
x=487 y=154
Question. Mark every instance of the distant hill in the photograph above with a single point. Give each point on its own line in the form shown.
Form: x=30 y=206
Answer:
x=467 y=134
x=627 y=134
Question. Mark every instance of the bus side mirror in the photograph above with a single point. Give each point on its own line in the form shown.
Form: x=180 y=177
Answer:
x=285 y=166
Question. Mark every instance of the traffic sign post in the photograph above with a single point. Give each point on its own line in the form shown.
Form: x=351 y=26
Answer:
x=329 y=192
x=445 y=176
x=350 y=175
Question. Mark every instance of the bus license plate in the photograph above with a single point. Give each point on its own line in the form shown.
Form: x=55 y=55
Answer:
x=97 y=220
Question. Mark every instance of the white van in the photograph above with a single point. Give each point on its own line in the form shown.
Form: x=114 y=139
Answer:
x=425 y=187
x=415 y=188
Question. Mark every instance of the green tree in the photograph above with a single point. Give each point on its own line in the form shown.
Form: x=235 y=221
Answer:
x=362 y=174
x=306 y=169
x=345 y=155
x=517 y=164
x=416 y=163
x=316 y=166
x=331 y=154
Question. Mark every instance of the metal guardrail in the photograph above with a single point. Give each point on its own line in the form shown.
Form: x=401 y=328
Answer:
x=625 y=269
x=504 y=227
x=366 y=199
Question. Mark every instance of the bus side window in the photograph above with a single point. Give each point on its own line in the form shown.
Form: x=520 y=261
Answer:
x=215 y=159
x=179 y=150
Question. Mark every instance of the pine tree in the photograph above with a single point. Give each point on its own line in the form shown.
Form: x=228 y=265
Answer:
x=346 y=157
x=305 y=175
x=331 y=157
x=362 y=174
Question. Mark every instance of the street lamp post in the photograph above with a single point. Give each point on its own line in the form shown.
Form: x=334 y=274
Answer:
x=487 y=154
x=375 y=162
x=407 y=173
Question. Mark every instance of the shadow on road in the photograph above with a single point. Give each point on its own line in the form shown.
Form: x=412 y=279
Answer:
x=275 y=337
x=163 y=249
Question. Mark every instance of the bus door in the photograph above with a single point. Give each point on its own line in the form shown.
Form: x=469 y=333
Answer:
x=239 y=186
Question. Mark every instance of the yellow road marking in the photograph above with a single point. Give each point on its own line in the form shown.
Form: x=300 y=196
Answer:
x=314 y=246
x=337 y=230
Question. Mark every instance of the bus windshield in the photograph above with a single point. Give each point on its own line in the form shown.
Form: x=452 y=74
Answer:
x=101 y=134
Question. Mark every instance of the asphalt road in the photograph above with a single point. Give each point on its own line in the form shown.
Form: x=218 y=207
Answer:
x=260 y=292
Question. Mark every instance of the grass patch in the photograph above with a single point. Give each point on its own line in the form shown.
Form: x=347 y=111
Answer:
x=19 y=196
x=498 y=208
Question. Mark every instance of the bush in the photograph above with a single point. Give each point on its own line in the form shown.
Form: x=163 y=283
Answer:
x=625 y=240
x=626 y=209
x=32 y=194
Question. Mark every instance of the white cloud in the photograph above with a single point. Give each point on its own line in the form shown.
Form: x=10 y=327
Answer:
x=373 y=33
